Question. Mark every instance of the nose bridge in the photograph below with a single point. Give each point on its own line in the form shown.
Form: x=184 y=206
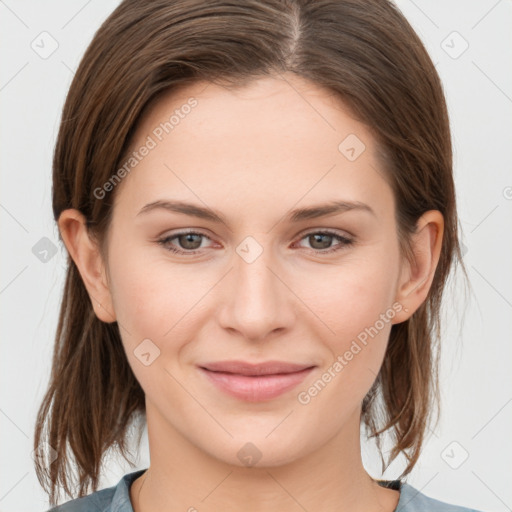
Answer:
x=257 y=302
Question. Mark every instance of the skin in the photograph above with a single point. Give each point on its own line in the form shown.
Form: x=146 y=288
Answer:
x=253 y=154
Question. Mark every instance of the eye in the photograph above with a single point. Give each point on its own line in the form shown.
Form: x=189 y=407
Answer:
x=190 y=241
x=323 y=239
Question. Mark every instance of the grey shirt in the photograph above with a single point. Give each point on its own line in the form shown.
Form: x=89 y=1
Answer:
x=117 y=499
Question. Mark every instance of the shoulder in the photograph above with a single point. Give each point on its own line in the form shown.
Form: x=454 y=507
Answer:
x=412 y=500
x=111 y=499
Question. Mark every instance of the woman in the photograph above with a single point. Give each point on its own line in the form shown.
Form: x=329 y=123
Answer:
x=258 y=204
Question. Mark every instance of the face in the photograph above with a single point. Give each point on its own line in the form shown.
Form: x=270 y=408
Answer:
x=264 y=283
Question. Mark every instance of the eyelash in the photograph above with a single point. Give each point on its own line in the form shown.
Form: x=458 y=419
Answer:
x=344 y=241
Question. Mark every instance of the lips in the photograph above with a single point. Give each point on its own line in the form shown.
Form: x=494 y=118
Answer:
x=266 y=368
x=255 y=382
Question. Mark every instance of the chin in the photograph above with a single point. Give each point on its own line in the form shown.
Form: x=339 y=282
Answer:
x=257 y=452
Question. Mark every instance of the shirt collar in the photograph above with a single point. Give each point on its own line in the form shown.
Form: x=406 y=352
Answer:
x=121 y=500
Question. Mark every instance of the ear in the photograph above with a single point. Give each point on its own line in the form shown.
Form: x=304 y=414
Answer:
x=87 y=257
x=417 y=275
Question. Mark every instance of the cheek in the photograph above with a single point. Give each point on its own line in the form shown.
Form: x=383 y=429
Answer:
x=149 y=300
x=154 y=308
x=357 y=306
x=355 y=303
x=351 y=296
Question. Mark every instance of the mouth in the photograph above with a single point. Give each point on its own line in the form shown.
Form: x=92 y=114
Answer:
x=255 y=382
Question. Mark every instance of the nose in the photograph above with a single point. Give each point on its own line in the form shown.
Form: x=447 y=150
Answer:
x=257 y=301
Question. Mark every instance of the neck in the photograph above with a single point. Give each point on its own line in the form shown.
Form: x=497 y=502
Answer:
x=183 y=477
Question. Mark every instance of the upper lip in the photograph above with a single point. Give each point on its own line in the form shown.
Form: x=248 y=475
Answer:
x=245 y=368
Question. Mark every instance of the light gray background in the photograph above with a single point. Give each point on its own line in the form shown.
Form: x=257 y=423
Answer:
x=476 y=386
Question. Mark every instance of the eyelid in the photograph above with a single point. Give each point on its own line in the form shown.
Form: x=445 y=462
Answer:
x=200 y=231
x=333 y=231
x=194 y=231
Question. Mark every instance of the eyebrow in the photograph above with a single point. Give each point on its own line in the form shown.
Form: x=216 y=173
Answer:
x=296 y=215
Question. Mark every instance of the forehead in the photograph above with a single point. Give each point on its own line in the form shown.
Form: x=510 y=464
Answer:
x=277 y=140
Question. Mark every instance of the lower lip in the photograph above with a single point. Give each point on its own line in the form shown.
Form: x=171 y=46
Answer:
x=255 y=389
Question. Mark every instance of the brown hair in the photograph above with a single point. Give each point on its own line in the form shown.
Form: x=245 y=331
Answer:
x=364 y=51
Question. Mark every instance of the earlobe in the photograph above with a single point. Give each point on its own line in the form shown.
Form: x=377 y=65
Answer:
x=417 y=276
x=87 y=257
